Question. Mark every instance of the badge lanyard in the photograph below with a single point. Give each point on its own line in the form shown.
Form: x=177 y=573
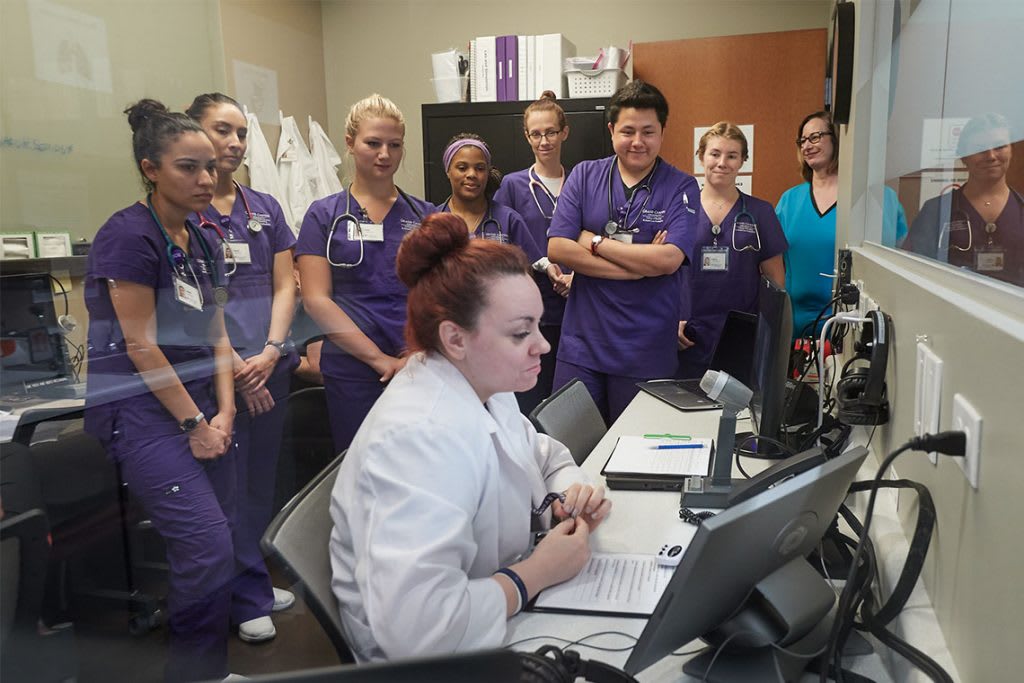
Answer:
x=178 y=259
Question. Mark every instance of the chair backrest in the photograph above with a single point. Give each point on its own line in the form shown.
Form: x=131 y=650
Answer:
x=306 y=446
x=571 y=416
x=298 y=538
x=25 y=550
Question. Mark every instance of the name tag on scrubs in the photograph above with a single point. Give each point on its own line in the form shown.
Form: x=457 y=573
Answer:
x=187 y=294
x=714 y=259
x=989 y=259
x=624 y=237
x=239 y=252
x=371 y=232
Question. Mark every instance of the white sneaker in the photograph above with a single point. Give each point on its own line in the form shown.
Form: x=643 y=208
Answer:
x=282 y=599
x=258 y=630
x=235 y=678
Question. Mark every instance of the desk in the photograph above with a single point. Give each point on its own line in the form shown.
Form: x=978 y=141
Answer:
x=641 y=521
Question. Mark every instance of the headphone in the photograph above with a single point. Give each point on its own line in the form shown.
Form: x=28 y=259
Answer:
x=861 y=393
x=551 y=664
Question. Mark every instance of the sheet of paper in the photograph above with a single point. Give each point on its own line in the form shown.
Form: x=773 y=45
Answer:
x=611 y=583
x=639 y=455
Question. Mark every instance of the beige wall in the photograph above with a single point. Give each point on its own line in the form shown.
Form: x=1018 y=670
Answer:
x=286 y=37
x=384 y=45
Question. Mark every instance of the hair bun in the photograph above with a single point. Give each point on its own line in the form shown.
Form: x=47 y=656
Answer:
x=548 y=95
x=425 y=248
x=144 y=110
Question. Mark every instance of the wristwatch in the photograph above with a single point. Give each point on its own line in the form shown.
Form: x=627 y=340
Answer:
x=189 y=424
x=596 y=240
x=281 y=346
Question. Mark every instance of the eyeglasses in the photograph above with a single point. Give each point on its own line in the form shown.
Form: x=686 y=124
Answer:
x=813 y=138
x=547 y=136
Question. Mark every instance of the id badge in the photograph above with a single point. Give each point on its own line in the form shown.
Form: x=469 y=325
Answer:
x=714 y=259
x=989 y=259
x=371 y=232
x=624 y=237
x=239 y=251
x=187 y=293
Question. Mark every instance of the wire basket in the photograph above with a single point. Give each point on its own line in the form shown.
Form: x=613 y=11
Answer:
x=595 y=82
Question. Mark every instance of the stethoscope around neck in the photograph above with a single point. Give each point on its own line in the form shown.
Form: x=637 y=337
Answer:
x=750 y=225
x=251 y=223
x=177 y=258
x=958 y=215
x=352 y=218
x=536 y=182
x=481 y=228
x=612 y=227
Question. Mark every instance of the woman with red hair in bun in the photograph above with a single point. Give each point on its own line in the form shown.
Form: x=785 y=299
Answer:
x=435 y=501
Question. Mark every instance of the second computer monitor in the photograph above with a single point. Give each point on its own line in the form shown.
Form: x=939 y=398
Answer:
x=771 y=359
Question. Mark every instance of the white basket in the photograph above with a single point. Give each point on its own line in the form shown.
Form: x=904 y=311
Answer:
x=595 y=82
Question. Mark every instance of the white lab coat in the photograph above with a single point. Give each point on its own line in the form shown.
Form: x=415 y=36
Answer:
x=297 y=171
x=262 y=169
x=432 y=498
x=325 y=159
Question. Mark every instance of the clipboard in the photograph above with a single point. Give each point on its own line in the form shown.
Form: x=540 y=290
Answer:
x=638 y=464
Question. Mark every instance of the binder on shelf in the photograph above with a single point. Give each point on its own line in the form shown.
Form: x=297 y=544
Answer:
x=486 y=71
x=473 y=81
x=551 y=52
x=522 y=62
x=511 y=69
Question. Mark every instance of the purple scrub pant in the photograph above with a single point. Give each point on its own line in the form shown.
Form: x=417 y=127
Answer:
x=611 y=393
x=190 y=503
x=352 y=387
x=259 y=444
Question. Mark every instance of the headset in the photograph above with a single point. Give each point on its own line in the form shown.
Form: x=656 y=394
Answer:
x=551 y=664
x=861 y=394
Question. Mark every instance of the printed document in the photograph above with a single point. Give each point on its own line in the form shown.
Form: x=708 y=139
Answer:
x=610 y=583
x=666 y=457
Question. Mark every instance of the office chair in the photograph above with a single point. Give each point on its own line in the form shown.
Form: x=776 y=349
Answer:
x=571 y=416
x=306 y=446
x=298 y=538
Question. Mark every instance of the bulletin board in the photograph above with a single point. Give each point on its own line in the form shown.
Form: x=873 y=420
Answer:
x=770 y=80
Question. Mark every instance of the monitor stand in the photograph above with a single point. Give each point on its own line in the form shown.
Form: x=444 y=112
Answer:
x=792 y=608
x=714 y=491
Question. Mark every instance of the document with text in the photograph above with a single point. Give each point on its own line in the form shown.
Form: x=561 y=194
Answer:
x=638 y=455
x=610 y=583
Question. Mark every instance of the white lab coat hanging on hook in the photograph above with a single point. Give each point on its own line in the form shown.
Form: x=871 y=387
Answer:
x=326 y=159
x=263 y=175
x=296 y=169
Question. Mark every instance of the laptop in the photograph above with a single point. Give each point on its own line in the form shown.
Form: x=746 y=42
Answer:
x=734 y=353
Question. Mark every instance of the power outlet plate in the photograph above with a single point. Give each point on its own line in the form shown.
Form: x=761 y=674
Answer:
x=927 y=394
x=967 y=420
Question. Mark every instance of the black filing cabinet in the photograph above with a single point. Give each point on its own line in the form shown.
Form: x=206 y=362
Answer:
x=500 y=124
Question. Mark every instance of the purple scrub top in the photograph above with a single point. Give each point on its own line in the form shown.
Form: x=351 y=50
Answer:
x=710 y=295
x=251 y=286
x=505 y=225
x=620 y=327
x=370 y=293
x=130 y=247
x=515 y=193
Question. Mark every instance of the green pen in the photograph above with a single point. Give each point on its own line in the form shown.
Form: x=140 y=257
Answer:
x=682 y=437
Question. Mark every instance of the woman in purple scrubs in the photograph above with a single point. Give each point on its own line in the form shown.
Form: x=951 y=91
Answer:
x=533 y=194
x=160 y=390
x=738 y=239
x=346 y=253
x=621 y=225
x=257 y=246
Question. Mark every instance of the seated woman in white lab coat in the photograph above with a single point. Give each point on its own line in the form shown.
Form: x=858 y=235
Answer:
x=433 y=504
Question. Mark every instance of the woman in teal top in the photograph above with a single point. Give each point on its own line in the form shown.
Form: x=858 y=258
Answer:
x=808 y=216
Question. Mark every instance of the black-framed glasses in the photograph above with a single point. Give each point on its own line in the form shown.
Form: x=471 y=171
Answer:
x=547 y=136
x=813 y=138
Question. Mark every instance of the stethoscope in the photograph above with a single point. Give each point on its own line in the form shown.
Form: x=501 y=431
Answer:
x=481 y=228
x=251 y=223
x=179 y=260
x=536 y=182
x=352 y=218
x=612 y=227
x=751 y=222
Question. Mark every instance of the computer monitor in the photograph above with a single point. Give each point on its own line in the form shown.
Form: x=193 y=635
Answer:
x=32 y=352
x=771 y=363
x=744 y=585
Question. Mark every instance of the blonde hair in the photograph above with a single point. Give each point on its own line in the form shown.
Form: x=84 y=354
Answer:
x=723 y=129
x=375 y=106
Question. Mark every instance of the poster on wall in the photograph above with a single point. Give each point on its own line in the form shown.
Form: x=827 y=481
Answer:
x=744 y=183
x=256 y=88
x=939 y=138
x=748 y=165
x=69 y=47
x=935 y=183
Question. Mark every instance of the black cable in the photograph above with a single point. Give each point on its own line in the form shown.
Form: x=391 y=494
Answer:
x=580 y=642
x=767 y=439
x=63 y=291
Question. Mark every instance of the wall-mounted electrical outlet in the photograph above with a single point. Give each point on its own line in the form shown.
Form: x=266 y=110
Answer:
x=967 y=420
x=927 y=394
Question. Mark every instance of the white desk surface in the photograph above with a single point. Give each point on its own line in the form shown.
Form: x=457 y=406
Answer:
x=641 y=521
